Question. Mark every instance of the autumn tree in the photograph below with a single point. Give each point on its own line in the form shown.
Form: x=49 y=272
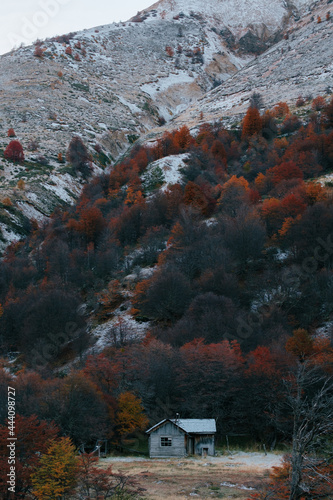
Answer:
x=21 y=185
x=194 y=196
x=169 y=50
x=11 y=132
x=284 y=171
x=318 y=103
x=39 y=52
x=33 y=438
x=77 y=155
x=69 y=403
x=234 y=193
x=252 y=123
x=182 y=138
x=14 y=151
x=91 y=222
x=130 y=415
x=281 y=109
x=56 y=475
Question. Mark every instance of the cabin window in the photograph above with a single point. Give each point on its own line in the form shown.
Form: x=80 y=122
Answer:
x=166 y=441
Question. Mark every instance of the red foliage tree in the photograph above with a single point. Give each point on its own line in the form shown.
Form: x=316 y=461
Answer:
x=33 y=438
x=284 y=171
x=14 y=151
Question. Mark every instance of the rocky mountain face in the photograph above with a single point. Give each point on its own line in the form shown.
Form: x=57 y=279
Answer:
x=301 y=64
x=116 y=83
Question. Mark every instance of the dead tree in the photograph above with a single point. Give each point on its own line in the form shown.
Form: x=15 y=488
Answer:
x=309 y=396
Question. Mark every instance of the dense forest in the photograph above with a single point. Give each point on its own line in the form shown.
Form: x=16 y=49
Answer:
x=231 y=269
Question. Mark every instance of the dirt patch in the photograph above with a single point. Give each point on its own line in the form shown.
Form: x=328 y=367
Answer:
x=231 y=476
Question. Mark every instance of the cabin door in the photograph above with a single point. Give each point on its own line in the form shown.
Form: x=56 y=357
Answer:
x=191 y=445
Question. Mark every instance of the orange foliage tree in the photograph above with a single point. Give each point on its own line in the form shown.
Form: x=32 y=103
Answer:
x=33 y=438
x=130 y=416
x=56 y=475
x=281 y=109
x=318 y=103
x=252 y=123
x=182 y=138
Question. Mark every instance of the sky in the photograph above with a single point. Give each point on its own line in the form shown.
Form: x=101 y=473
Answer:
x=24 y=21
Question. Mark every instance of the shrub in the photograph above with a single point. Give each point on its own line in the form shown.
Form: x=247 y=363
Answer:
x=33 y=145
x=42 y=160
x=11 y=132
x=14 y=151
x=318 y=103
x=69 y=51
x=281 y=109
x=39 y=52
x=161 y=121
x=7 y=202
x=300 y=102
x=169 y=50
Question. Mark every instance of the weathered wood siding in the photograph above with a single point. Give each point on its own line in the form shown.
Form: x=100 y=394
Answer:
x=178 y=442
x=204 y=442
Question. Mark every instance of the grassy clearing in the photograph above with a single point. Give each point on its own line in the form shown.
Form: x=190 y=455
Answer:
x=230 y=476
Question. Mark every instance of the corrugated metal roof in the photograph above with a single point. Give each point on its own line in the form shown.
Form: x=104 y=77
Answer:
x=196 y=425
x=191 y=425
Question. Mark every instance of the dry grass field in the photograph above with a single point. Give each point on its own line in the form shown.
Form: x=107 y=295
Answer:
x=231 y=476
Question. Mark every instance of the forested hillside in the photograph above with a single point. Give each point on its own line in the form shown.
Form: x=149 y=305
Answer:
x=219 y=247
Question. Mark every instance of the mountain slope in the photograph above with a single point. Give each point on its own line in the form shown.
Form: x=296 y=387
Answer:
x=299 y=65
x=115 y=83
x=237 y=15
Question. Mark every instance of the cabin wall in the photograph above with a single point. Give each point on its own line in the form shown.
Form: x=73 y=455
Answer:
x=168 y=430
x=204 y=444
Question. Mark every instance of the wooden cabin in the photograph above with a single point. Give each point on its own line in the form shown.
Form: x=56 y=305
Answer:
x=182 y=437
